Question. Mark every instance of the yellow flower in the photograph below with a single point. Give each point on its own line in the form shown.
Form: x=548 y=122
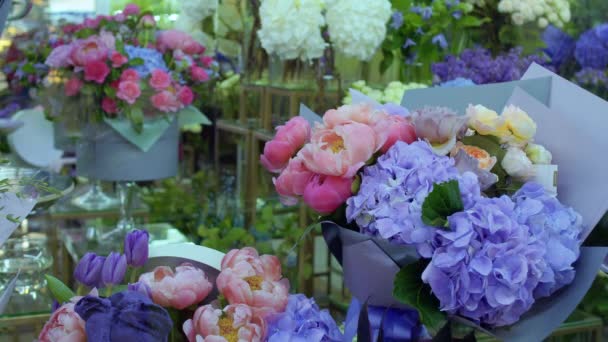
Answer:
x=520 y=125
x=487 y=122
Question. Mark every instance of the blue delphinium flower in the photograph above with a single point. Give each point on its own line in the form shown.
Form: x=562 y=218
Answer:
x=389 y=201
x=397 y=20
x=560 y=45
x=152 y=60
x=592 y=48
x=303 y=321
x=440 y=41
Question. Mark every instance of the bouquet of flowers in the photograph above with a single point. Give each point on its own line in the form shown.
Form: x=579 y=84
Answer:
x=130 y=69
x=453 y=215
x=209 y=296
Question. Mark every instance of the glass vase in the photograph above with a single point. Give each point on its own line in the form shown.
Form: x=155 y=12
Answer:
x=126 y=223
x=95 y=198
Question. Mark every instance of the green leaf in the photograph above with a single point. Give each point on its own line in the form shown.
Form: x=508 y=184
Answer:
x=29 y=68
x=192 y=116
x=136 y=61
x=137 y=119
x=59 y=290
x=120 y=46
x=401 y=5
x=471 y=21
x=387 y=61
x=409 y=289
x=442 y=202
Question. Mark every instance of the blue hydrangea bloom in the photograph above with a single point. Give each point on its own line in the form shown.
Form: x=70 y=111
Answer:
x=457 y=82
x=389 y=201
x=592 y=48
x=303 y=321
x=152 y=60
x=560 y=45
x=559 y=227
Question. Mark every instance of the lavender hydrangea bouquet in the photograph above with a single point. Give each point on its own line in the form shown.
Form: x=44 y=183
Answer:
x=466 y=221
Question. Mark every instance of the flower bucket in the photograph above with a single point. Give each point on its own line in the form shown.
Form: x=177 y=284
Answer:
x=105 y=154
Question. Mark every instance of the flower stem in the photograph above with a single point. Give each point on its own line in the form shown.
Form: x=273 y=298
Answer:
x=109 y=291
x=134 y=273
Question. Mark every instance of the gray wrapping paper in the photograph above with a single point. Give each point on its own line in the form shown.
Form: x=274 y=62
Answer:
x=104 y=154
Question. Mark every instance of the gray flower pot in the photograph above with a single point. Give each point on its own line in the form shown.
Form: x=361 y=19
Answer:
x=102 y=153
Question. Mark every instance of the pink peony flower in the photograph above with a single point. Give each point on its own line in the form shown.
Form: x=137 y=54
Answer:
x=166 y=101
x=148 y=21
x=72 y=86
x=292 y=181
x=192 y=47
x=186 y=286
x=235 y=322
x=206 y=61
x=92 y=22
x=178 y=40
x=131 y=9
x=247 y=278
x=397 y=128
x=361 y=113
x=65 y=325
x=198 y=74
x=96 y=71
x=159 y=80
x=109 y=105
x=128 y=91
x=185 y=95
x=129 y=75
x=340 y=151
x=60 y=56
x=92 y=49
x=108 y=40
x=325 y=194
x=285 y=144
x=118 y=59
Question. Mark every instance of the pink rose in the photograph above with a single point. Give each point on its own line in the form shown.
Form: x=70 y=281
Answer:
x=247 y=278
x=159 y=80
x=178 y=40
x=198 y=74
x=206 y=61
x=128 y=91
x=60 y=56
x=129 y=75
x=325 y=194
x=397 y=128
x=72 y=86
x=118 y=59
x=96 y=71
x=65 y=325
x=187 y=286
x=185 y=95
x=166 y=101
x=292 y=181
x=286 y=143
x=109 y=105
x=192 y=47
x=340 y=151
x=131 y=9
x=148 y=21
x=89 y=50
x=234 y=322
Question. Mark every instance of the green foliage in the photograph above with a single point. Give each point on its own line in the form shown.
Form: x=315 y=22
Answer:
x=595 y=301
x=224 y=236
x=442 y=202
x=61 y=293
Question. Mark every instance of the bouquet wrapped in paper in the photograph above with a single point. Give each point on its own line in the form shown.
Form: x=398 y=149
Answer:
x=454 y=207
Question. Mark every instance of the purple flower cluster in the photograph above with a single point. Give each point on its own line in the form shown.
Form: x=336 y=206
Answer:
x=589 y=77
x=558 y=227
x=389 y=201
x=592 y=48
x=303 y=321
x=559 y=45
x=481 y=67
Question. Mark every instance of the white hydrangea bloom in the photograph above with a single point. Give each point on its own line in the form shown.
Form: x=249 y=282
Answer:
x=357 y=28
x=291 y=29
x=198 y=9
x=543 y=12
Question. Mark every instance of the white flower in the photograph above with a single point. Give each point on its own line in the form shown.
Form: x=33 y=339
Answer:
x=538 y=154
x=199 y=9
x=291 y=29
x=556 y=12
x=517 y=164
x=356 y=27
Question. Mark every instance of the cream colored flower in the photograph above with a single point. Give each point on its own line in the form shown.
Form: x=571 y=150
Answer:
x=517 y=164
x=486 y=121
x=520 y=125
x=538 y=154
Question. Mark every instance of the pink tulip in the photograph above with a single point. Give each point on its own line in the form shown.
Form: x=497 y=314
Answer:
x=286 y=143
x=131 y=9
x=96 y=71
x=186 y=286
x=128 y=91
x=292 y=181
x=340 y=151
x=325 y=194
x=232 y=323
x=166 y=101
x=397 y=128
x=72 y=86
x=129 y=75
x=65 y=325
x=159 y=80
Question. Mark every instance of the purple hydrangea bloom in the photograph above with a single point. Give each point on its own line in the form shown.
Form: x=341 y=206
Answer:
x=559 y=227
x=591 y=77
x=560 y=45
x=303 y=321
x=486 y=265
x=389 y=201
x=592 y=48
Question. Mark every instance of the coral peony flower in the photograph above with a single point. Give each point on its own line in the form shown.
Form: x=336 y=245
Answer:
x=129 y=75
x=340 y=151
x=396 y=128
x=186 y=286
x=286 y=142
x=72 y=86
x=485 y=160
x=159 y=80
x=109 y=105
x=178 y=40
x=118 y=59
x=131 y=9
x=325 y=194
x=128 y=91
x=292 y=181
x=92 y=49
x=166 y=101
x=235 y=322
x=96 y=71
x=198 y=74
x=362 y=113
x=185 y=95
x=65 y=325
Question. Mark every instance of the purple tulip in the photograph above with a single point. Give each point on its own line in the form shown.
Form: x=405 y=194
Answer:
x=141 y=288
x=114 y=268
x=88 y=270
x=136 y=248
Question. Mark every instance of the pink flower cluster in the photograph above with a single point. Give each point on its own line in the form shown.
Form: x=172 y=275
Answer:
x=65 y=325
x=320 y=166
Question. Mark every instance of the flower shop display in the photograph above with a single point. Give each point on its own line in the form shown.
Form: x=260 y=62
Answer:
x=457 y=213
x=206 y=296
